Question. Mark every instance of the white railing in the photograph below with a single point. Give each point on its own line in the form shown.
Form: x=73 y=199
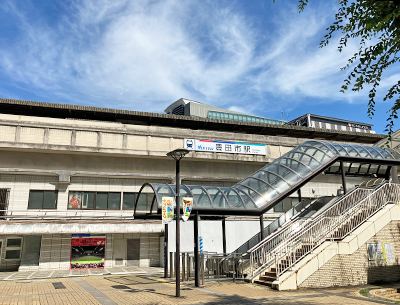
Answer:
x=335 y=223
x=57 y=215
x=264 y=254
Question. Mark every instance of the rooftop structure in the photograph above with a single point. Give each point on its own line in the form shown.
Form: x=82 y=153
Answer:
x=318 y=121
x=196 y=109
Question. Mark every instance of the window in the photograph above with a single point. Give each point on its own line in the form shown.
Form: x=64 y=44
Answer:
x=42 y=199
x=94 y=200
x=13 y=248
x=129 y=201
x=144 y=203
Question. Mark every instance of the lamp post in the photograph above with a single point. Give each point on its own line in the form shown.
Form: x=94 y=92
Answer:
x=178 y=154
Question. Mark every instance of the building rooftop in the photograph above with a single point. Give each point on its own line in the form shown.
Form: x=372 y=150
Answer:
x=54 y=110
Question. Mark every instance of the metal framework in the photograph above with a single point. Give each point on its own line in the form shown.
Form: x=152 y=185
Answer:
x=265 y=188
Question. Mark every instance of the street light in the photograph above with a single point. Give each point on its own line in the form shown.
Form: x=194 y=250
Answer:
x=178 y=154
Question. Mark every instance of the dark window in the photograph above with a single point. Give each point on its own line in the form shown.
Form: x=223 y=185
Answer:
x=13 y=254
x=14 y=242
x=42 y=200
x=94 y=200
x=129 y=201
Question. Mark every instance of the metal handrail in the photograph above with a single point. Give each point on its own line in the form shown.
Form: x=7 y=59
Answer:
x=263 y=255
x=244 y=248
x=332 y=226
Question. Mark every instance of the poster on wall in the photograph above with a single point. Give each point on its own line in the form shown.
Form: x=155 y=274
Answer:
x=388 y=252
x=88 y=253
x=374 y=251
x=187 y=207
x=167 y=209
x=74 y=200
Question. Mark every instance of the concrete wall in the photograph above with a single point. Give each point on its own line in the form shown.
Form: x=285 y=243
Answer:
x=356 y=269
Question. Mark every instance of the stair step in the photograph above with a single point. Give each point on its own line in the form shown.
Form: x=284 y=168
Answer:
x=269 y=273
x=267 y=278
x=265 y=283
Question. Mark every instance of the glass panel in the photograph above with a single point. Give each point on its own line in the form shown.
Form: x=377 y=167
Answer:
x=303 y=158
x=142 y=202
x=200 y=196
x=234 y=199
x=101 y=201
x=163 y=190
x=354 y=168
x=35 y=200
x=352 y=152
x=261 y=187
x=13 y=254
x=299 y=168
x=373 y=152
x=114 y=201
x=278 y=207
x=14 y=242
x=31 y=250
x=248 y=201
x=129 y=201
x=322 y=146
x=287 y=204
x=87 y=200
x=364 y=168
x=287 y=174
x=272 y=179
x=382 y=169
x=258 y=200
x=363 y=152
x=50 y=200
x=217 y=197
x=341 y=150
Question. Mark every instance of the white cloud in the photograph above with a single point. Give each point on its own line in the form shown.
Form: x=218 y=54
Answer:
x=164 y=50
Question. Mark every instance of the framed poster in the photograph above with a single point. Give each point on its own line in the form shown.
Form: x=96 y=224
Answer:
x=375 y=251
x=88 y=253
x=74 y=200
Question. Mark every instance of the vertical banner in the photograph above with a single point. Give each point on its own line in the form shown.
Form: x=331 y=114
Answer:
x=167 y=209
x=87 y=253
x=187 y=207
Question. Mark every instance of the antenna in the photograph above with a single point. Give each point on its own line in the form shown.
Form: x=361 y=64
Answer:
x=282 y=117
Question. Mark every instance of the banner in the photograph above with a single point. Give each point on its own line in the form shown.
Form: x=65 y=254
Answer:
x=87 y=253
x=167 y=209
x=225 y=147
x=187 y=207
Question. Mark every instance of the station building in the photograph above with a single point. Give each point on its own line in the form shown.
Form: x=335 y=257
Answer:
x=70 y=175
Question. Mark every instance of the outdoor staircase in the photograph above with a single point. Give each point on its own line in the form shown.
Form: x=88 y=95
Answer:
x=275 y=256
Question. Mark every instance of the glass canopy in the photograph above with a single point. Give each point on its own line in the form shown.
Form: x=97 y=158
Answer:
x=279 y=178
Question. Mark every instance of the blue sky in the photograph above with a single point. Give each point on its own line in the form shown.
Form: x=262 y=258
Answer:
x=257 y=56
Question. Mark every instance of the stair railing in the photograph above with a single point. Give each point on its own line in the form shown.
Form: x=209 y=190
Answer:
x=279 y=222
x=336 y=223
x=261 y=255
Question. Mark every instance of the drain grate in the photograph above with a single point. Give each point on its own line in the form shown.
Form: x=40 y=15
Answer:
x=59 y=285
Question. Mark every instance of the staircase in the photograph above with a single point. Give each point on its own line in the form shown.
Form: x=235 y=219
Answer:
x=269 y=262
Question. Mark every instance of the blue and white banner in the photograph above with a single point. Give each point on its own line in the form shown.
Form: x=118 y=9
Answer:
x=225 y=147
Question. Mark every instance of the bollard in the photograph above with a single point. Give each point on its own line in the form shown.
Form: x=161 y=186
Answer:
x=171 y=264
x=202 y=269
x=183 y=267
x=188 y=266
x=217 y=269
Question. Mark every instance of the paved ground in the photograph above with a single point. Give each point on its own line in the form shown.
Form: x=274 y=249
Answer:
x=40 y=274
x=151 y=289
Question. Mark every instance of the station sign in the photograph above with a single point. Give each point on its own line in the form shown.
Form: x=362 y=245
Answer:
x=225 y=147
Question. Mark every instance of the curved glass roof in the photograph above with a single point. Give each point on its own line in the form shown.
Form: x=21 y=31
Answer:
x=279 y=177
